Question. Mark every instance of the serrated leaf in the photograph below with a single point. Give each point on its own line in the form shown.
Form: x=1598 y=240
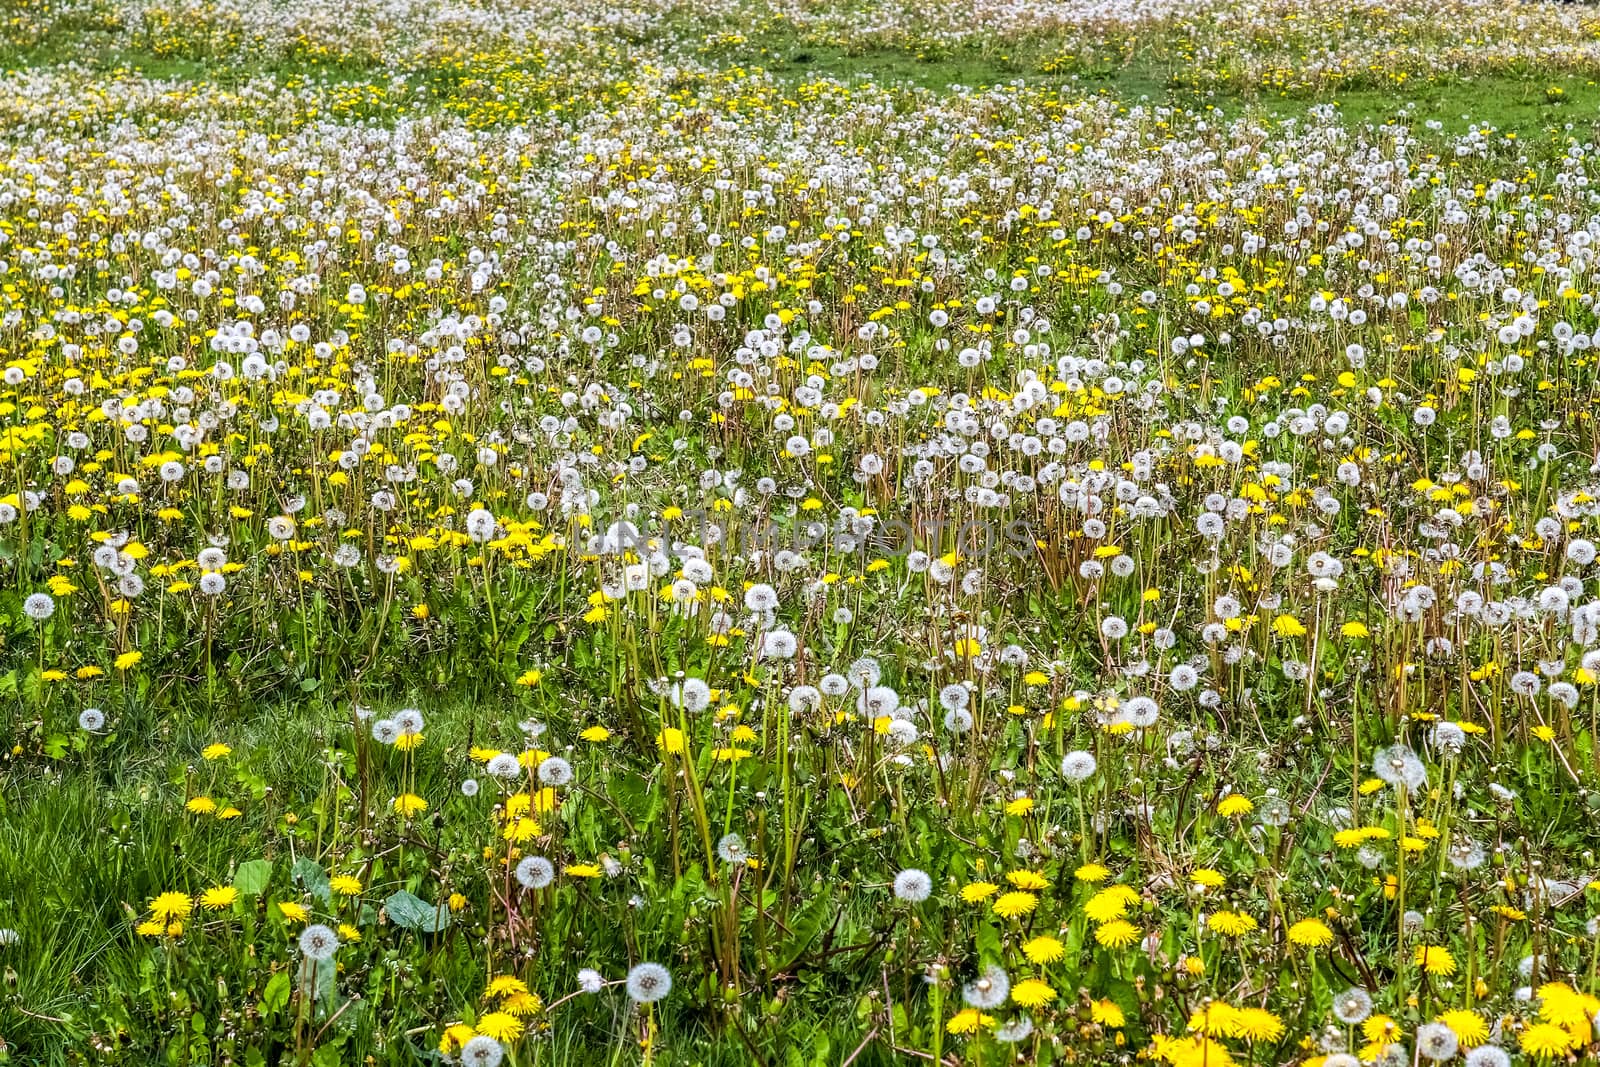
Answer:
x=804 y=928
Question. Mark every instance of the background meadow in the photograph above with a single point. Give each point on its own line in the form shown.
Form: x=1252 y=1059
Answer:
x=798 y=533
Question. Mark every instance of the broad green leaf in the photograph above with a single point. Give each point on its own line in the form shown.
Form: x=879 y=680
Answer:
x=276 y=996
x=309 y=873
x=413 y=913
x=252 y=877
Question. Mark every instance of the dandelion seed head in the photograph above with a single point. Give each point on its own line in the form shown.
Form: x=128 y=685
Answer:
x=648 y=983
x=913 y=886
x=535 y=872
x=731 y=849
x=482 y=1051
x=1352 y=1006
x=318 y=942
x=988 y=990
x=1078 y=766
x=555 y=771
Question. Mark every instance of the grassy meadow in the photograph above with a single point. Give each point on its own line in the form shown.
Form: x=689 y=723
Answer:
x=803 y=533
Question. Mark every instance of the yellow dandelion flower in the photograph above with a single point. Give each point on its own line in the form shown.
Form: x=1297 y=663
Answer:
x=521 y=1004
x=976 y=891
x=1559 y=1003
x=454 y=1037
x=1118 y=933
x=1031 y=880
x=1257 y=1024
x=1011 y=905
x=219 y=898
x=1380 y=1031
x=1032 y=993
x=1468 y=1026
x=968 y=1021
x=1234 y=805
x=1092 y=873
x=1110 y=903
x=1198 y=1051
x=1545 y=1041
x=504 y=985
x=1216 y=1017
x=1310 y=933
x=1435 y=959
x=500 y=1025
x=1354 y=837
x=521 y=829
x=409 y=805
x=1231 y=923
x=1043 y=950
x=169 y=906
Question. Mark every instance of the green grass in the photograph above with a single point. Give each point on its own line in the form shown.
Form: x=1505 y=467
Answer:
x=1526 y=103
x=103 y=831
x=92 y=828
x=798 y=60
x=107 y=51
